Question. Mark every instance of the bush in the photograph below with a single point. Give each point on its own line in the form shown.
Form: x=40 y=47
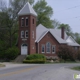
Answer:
x=67 y=53
x=2 y=55
x=78 y=55
x=11 y=53
x=35 y=57
x=34 y=61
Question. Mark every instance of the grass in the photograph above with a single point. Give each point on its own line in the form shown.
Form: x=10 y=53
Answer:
x=2 y=65
x=76 y=68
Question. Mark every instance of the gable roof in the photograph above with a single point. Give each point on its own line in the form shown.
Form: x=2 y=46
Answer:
x=41 y=31
x=27 y=9
x=71 y=42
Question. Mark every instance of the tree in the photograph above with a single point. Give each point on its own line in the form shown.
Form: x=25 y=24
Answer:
x=9 y=18
x=44 y=13
x=67 y=53
x=16 y=5
x=3 y=5
x=7 y=28
x=56 y=23
x=76 y=36
x=67 y=28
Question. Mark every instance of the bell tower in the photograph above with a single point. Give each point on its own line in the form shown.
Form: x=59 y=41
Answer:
x=27 y=30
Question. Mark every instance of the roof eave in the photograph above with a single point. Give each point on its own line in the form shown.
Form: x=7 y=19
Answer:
x=27 y=14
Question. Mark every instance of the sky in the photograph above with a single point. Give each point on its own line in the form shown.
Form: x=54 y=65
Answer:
x=67 y=12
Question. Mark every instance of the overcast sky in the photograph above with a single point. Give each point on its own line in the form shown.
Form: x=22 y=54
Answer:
x=66 y=11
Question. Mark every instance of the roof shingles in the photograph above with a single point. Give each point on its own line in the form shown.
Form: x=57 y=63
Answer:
x=41 y=31
x=27 y=9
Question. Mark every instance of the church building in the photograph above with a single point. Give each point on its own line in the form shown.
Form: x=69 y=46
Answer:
x=39 y=39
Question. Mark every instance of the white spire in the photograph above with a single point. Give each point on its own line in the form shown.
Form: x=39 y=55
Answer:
x=27 y=9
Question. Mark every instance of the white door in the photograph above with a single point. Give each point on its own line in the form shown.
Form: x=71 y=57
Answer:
x=24 y=49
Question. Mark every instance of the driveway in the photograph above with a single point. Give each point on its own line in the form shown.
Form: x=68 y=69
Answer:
x=38 y=71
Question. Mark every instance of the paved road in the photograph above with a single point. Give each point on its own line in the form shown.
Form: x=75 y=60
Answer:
x=38 y=72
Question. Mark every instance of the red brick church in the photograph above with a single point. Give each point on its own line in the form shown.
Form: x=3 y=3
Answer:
x=40 y=39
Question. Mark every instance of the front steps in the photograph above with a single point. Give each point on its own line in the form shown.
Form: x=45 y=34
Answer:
x=20 y=58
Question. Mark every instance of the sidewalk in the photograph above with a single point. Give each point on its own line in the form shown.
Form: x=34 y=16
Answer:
x=11 y=65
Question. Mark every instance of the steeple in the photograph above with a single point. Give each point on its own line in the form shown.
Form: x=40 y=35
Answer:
x=27 y=10
x=27 y=30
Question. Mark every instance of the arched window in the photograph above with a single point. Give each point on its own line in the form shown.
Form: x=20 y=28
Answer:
x=24 y=44
x=43 y=48
x=48 y=47
x=26 y=34
x=26 y=22
x=22 y=22
x=22 y=34
x=53 y=48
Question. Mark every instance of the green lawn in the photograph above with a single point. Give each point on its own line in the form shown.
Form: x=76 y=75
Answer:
x=2 y=65
x=76 y=68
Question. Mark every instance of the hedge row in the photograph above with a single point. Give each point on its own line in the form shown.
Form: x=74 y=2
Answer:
x=34 y=61
x=35 y=56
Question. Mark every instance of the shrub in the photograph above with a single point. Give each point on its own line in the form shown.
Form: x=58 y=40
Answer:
x=35 y=57
x=78 y=55
x=2 y=55
x=34 y=61
x=67 y=53
x=11 y=53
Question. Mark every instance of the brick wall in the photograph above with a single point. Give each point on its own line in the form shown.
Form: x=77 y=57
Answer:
x=49 y=38
x=29 y=41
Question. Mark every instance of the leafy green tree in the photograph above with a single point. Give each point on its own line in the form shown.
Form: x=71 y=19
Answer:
x=8 y=28
x=44 y=13
x=67 y=53
x=77 y=37
x=56 y=23
x=16 y=5
x=2 y=5
x=9 y=18
x=67 y=28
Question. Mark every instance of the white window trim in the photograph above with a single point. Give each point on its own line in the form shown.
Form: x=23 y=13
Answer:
x=44 y=48
x=54 y=49
x=21 y=22
x=25 y=33
x=21 y=34
x=25 y=22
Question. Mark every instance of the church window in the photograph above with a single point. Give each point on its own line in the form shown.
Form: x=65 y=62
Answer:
x=53 y=48
x=43 y=49
x=22 y=22
x=26 y=34
x=22 y=34
x=48 y=47
x=26 y=21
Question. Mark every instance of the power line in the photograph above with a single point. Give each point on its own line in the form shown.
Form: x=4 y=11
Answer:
x=69 y=8
x=74 y=17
